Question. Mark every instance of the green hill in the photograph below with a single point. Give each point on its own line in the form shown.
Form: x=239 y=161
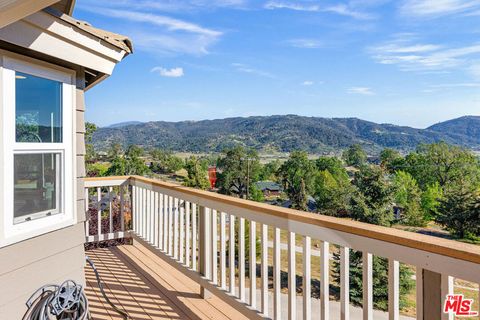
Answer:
x=286 y=133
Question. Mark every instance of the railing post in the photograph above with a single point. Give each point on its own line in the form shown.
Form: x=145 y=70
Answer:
x=432 y=295
x=203 y=248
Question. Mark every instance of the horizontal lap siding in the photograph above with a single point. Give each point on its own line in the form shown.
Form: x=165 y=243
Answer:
x=50 y=258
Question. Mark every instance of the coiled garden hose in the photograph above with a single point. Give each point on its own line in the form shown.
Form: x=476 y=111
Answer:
x=65 y=302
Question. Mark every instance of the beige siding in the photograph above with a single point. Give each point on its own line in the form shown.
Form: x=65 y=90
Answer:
x=54 y=257
x=28 y=265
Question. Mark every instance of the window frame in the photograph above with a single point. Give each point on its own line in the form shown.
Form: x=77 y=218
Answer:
x=13 y=231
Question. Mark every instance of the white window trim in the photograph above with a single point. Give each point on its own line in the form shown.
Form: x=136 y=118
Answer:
x=10 y=232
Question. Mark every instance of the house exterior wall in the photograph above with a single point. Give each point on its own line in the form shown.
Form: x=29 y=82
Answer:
x=53 y=257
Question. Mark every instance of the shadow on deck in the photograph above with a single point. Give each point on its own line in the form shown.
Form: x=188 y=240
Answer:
x=147 y=288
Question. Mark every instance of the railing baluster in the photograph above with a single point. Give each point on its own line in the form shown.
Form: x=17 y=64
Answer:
x=143 y=216
x=205 y=247
x=447 y=288
x=223 y=252
x=151 y=204
x=277 y=311
x=194 y=236
x=253 y=264
x=292 y=281
x=214 y=246
x=99 y=212
x=110 y=213
x=367 y=262
x=135 y=209
x=187 y=234
x=122 y=207
x=148 y=216
x=264 y=263
x=156 y=217
x=170 y=226
x=182 y=232
x=344 y=283
x=393 y=289
x=165 y=222
x=241 y=259
x=160 y=221
x=87 y=215
x=307 y=278
x=325 y=280
x=419 y=293
x=231 y=254
x=175 y=229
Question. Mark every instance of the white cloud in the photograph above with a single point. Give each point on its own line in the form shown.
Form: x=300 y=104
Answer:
x=435 y=8
x=305 y=43
x=169 y=36
x=161 y=21
x=240 y=67
x=167 y=5
x=340 y=9
x=345 y=10
x=308 y=83
x=292 y=6
x=474 y=70
x=411 y=55
x=456 y=85
x=169 y=73
x=365 y=91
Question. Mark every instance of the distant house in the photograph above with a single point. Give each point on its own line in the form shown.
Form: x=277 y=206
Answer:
x=269 y=188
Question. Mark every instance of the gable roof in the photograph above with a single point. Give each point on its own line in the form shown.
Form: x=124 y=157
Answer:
x=268 y=185
x=65 y=6
x=117 y=40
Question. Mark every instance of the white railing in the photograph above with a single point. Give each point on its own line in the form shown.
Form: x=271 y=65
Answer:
x=204 y=235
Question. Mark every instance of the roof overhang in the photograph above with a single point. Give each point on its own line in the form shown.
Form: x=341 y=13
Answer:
x=58 y=37
x=14 y=10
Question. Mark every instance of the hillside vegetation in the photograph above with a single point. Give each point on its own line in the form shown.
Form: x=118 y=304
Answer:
x=285 y=134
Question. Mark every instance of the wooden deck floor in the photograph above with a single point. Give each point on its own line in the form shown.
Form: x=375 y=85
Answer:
x=147 y=288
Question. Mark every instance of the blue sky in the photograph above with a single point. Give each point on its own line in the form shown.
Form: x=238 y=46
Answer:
x=401 y=61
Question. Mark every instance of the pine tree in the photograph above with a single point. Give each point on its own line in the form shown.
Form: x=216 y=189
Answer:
x=380 y=280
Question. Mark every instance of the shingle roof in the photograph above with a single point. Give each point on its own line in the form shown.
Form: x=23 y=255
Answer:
x=268 y=185
x=117 y=40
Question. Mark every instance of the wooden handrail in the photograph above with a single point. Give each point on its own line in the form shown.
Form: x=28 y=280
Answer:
x=445 y=247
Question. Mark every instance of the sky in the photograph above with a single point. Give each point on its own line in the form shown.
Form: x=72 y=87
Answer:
x=406 y=62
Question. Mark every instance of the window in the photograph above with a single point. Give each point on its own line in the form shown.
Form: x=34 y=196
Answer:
x=38 y=143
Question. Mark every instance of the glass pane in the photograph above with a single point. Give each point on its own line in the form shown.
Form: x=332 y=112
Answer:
x=37 y=185
x=38 y=109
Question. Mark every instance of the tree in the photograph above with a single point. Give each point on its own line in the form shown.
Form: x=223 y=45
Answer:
x=90 y=154
x=129 y=164
x=431 y=201
x=165 y=162
x=332 y=190
x=459 y=212
x=197 y=173
x=443 y=164
x=114 y=151
x=238 y=169
x=380 y=280
x=334 y=166
x=391 y=160
x=297 y=176
x=269 y=171
x=408 y=197
x=355 y=156
x=372 y=199
x=371 y=202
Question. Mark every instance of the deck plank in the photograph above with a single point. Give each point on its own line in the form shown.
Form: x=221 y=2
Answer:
x=148 y=288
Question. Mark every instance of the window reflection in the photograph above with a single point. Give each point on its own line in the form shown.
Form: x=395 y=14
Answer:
x=38 y=110
x=37 y=189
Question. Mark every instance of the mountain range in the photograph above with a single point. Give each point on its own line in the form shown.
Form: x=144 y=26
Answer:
x=284 y=133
